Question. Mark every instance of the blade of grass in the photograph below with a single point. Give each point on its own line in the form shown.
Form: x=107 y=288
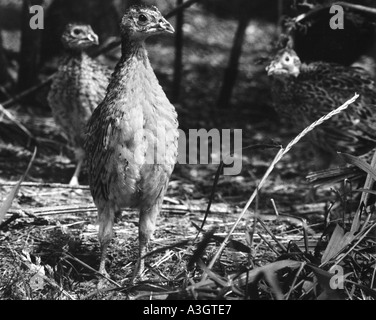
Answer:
x=277 y=158
x=9 y=199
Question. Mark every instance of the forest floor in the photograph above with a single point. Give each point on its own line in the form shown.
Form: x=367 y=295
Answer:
x=50 y=250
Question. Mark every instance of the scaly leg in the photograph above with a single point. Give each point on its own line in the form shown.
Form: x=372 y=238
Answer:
x=106 y=222
x=80 y=156
x=148 y=219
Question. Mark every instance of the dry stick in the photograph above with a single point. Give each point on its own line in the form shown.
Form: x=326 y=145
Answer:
x=70 y=256
x=267 y=242
x=217 y=175
x=23 y=94
x=271 y=234
x=358 y=7
x=277 y=158
x=10 y=220
x=14 y=120
x=316 y=10
x=295 y=279
x=46 y=185
x=71 y=209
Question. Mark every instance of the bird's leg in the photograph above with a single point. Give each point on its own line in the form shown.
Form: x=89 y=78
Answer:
x=106 y=222
x=80 y=155
x=74 y=180
x=148 y=219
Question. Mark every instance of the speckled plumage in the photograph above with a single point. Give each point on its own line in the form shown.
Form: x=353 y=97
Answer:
x=122 y=142
x=78 y=86
x=305 y=92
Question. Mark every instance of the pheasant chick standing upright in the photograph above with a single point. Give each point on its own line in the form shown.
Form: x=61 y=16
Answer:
x=305 y=92
x=78 y=86
x=132 y=135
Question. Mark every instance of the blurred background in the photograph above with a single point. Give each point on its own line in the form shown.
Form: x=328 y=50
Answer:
x=212 y=68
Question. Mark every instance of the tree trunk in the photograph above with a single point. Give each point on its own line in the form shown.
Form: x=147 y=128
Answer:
x=178 y=64
x=231 y=71
x=31 y=41
x=4 y=74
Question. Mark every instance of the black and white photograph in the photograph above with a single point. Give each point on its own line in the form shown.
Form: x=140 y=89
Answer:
x=187 y=154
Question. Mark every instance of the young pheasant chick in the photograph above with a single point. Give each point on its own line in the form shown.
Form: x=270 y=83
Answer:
x=305 y=92
x=132 y=135
x=78 y=86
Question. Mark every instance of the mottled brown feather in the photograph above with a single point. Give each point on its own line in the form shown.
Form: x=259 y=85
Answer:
x=305 y=92
x=78 y=86
x=123 y=144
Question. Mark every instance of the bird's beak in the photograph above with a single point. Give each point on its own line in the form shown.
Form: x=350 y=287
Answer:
x=164 y=25
x=274 y=68
x=92 y=37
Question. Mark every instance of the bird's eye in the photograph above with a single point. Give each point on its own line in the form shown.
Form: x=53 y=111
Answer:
x=287 y=58
x=142 y=18
x=76 y=32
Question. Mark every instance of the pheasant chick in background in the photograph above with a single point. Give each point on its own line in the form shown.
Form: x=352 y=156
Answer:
x=132 y=135
x=78 y=86
x=305 y=92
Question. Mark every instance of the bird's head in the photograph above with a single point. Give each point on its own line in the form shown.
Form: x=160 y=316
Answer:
x=78 y=37
x=285 y=63
x=139 y=22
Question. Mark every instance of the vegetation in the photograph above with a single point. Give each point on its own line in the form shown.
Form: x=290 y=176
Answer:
x=263 y=234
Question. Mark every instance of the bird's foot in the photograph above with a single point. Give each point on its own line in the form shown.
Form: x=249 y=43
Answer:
x=138 y=271
x=74 y=182
x=104 y=281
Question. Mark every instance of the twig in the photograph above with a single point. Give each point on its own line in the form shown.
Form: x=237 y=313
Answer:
x=69 y=256
x=46 y=185
x=217 y=175
x=272 y=235
x=14 y=120
x=295 y=279
x=11 y=219
x=317 y=9
x=7 y=203
x=26 y=92
x=268 y=243
x=69 y=209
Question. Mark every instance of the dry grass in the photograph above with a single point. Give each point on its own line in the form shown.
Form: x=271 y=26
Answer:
x=52 y=252
x=275 y=250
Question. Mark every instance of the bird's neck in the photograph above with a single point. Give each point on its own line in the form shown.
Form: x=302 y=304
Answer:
x=75 y=54
x=129 y=74
x=282 y=86
x=132 y=49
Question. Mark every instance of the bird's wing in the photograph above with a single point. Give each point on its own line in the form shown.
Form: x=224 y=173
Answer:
x=324 y=87
x=98 y=135
x=115 y=152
